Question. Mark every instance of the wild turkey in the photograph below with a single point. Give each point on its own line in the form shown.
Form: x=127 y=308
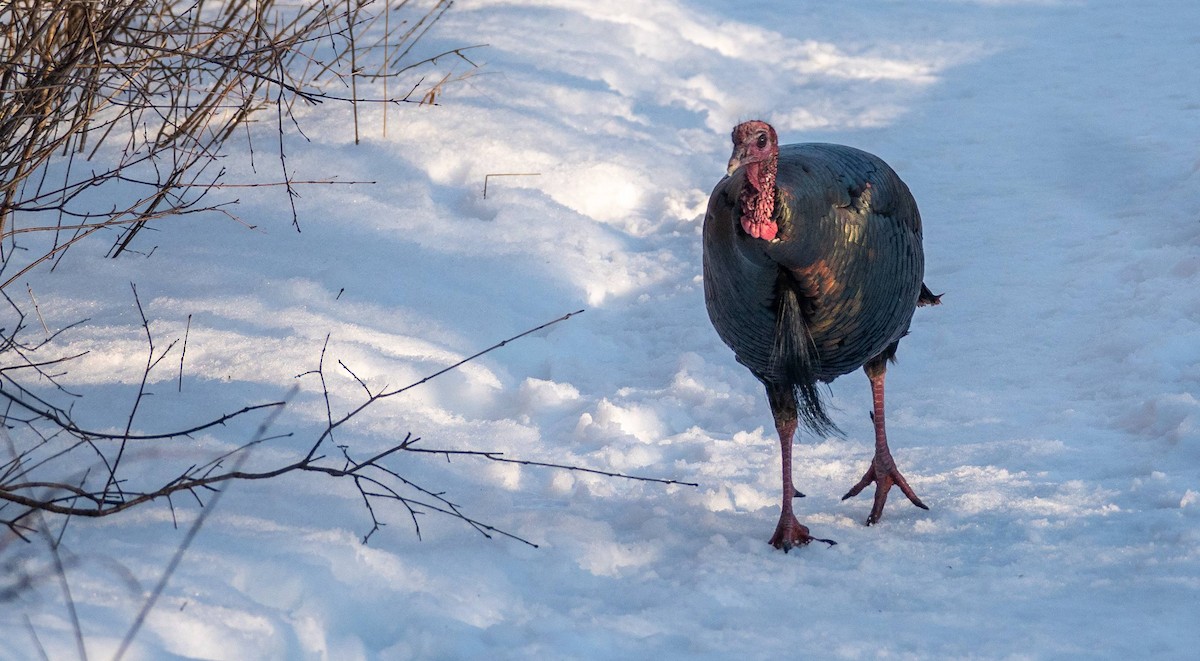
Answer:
x=812 y=268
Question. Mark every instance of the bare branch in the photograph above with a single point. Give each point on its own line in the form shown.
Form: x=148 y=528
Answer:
x=52 y=495
x=32 y=482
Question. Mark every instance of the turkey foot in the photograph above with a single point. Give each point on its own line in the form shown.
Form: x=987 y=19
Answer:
x=790 y=533
x=882 y=471
x=884 y=474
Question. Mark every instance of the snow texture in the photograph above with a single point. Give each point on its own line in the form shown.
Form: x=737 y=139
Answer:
x=1048 y=411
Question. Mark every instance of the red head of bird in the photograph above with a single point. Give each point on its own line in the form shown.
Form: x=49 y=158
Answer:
x=756 y=149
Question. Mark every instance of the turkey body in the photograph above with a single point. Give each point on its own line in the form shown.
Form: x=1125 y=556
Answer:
x=848 y=255
x=813 y=267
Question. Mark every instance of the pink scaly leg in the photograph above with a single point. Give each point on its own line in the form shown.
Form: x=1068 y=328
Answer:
x=789 y=533
x=882 y=471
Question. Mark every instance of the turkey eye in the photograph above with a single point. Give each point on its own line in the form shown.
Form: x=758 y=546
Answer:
x=762 y=140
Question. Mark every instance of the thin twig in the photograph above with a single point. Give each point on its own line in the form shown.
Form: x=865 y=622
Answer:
x=183 y=352
x=60 y=571
x=505 y=174
x=498 y=456
x=37 y=310
x=480 y=353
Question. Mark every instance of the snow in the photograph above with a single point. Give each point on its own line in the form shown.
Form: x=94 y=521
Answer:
x=1048 y=411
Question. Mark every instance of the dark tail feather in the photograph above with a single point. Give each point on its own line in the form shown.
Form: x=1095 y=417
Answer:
x=794 y=360
x=927 y=297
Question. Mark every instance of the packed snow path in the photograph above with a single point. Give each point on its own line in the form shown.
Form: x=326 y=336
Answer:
x=1047 y=411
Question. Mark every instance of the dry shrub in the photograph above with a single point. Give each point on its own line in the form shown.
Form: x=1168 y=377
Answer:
x=113 y=112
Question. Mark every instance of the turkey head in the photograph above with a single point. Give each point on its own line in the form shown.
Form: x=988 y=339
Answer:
x=756 y=150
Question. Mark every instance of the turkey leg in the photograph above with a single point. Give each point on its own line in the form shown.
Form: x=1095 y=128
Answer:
x=789 y=533
x=882 y=471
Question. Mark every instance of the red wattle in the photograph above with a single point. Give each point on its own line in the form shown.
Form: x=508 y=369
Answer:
x=760 y=230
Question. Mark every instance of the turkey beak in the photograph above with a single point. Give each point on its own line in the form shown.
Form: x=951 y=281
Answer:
x=735 y=161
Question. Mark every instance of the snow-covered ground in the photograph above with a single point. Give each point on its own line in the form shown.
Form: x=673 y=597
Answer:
x=1048 y=412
